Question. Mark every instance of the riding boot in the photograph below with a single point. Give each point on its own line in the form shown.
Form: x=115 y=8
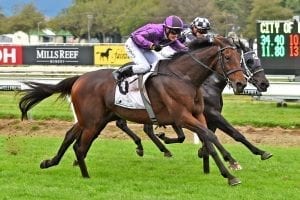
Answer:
x=123 y=72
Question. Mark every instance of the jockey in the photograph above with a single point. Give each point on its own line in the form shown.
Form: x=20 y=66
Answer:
x=198 y=29
x=147 y=38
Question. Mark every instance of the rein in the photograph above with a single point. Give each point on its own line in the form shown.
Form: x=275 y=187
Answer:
x=224 y=75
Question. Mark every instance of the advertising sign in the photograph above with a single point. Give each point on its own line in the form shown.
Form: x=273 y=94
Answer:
x=10 y=55
x=109 y=54
x=58 y=55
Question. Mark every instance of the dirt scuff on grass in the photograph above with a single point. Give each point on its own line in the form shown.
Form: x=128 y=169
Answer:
x=55 y=128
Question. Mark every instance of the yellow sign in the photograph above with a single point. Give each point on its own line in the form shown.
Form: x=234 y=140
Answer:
x=109 y=54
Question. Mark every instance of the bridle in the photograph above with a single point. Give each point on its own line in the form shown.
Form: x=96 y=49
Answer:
x=257 y=67
x=225 y=74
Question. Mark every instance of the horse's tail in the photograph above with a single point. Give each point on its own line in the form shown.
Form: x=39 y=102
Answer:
x=40 y=91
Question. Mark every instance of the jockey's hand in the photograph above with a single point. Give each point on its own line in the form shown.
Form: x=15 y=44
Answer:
x=156 y=47
x=210 y=38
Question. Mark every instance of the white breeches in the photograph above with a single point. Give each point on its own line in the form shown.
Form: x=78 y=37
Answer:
x=142 y=58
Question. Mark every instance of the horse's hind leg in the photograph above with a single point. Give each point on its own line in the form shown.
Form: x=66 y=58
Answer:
x=180 y=136
x=70 y=137
x=148 y=129
x=122 y=124
x=84 y=142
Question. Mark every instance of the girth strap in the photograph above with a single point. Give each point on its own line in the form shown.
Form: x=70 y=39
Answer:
x=147 y=103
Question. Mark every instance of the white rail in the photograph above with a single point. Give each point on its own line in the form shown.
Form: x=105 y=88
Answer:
x=282 y=88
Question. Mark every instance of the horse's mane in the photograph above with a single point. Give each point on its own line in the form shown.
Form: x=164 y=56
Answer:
x=201 y=43
x=177 y=55
x=240 y=45
x=194 y=45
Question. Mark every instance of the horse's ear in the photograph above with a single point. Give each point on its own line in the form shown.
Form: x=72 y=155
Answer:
x=242 y=45
x=231 y=40
x=216 y=40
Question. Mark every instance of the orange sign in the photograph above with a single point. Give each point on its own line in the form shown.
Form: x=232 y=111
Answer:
x=109 y=54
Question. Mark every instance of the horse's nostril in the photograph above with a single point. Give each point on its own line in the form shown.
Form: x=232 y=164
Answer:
x=242 y=84
x=267 y=85
x=264 y=86
x=240 y=87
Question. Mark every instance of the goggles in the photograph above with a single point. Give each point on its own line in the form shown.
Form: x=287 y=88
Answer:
x=175 y=31
x=202 y=31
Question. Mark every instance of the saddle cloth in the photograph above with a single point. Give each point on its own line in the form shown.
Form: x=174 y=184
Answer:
x=132 y=99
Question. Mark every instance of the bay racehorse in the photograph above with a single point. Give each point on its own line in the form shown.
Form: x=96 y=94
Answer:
x=212 y=89
x=174 y=95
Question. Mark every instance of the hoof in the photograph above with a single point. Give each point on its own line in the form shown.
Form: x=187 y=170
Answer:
x=44 y=164
x=86 y=176
x=75 y=163
x=266 y=156
x=161 y=135
x=168 y=154
x=235 y=166
x=234 y=181
x=140 y=152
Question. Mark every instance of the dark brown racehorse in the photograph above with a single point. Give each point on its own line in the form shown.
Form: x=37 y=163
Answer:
x=212 y=90
x=174 y=94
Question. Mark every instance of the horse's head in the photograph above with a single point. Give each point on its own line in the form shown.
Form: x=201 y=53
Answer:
x=219 y=56
x=229 y=63
x=252 y=68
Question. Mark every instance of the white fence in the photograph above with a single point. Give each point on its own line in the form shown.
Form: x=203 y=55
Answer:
x=13 y=77
x=282 y=88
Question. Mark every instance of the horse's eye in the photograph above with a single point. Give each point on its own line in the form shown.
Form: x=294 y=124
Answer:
x=250 y=62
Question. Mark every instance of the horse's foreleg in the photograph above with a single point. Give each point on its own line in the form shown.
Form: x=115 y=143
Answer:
x=68 y=140
x=227 y=128
x=180 y=136
x=199 y=126
x=148 y=129
x=233 y=164
x=204 y=154
x=122 y=124
x=211 y=139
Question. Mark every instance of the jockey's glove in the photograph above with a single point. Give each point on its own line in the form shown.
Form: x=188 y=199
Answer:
x=156 y=47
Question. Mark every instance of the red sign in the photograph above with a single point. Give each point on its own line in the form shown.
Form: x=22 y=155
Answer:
x=11 y=55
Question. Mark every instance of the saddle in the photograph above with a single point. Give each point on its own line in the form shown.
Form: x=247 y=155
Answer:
x=131 y=93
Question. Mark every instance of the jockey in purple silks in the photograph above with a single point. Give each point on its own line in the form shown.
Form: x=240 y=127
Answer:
x=147 y=38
